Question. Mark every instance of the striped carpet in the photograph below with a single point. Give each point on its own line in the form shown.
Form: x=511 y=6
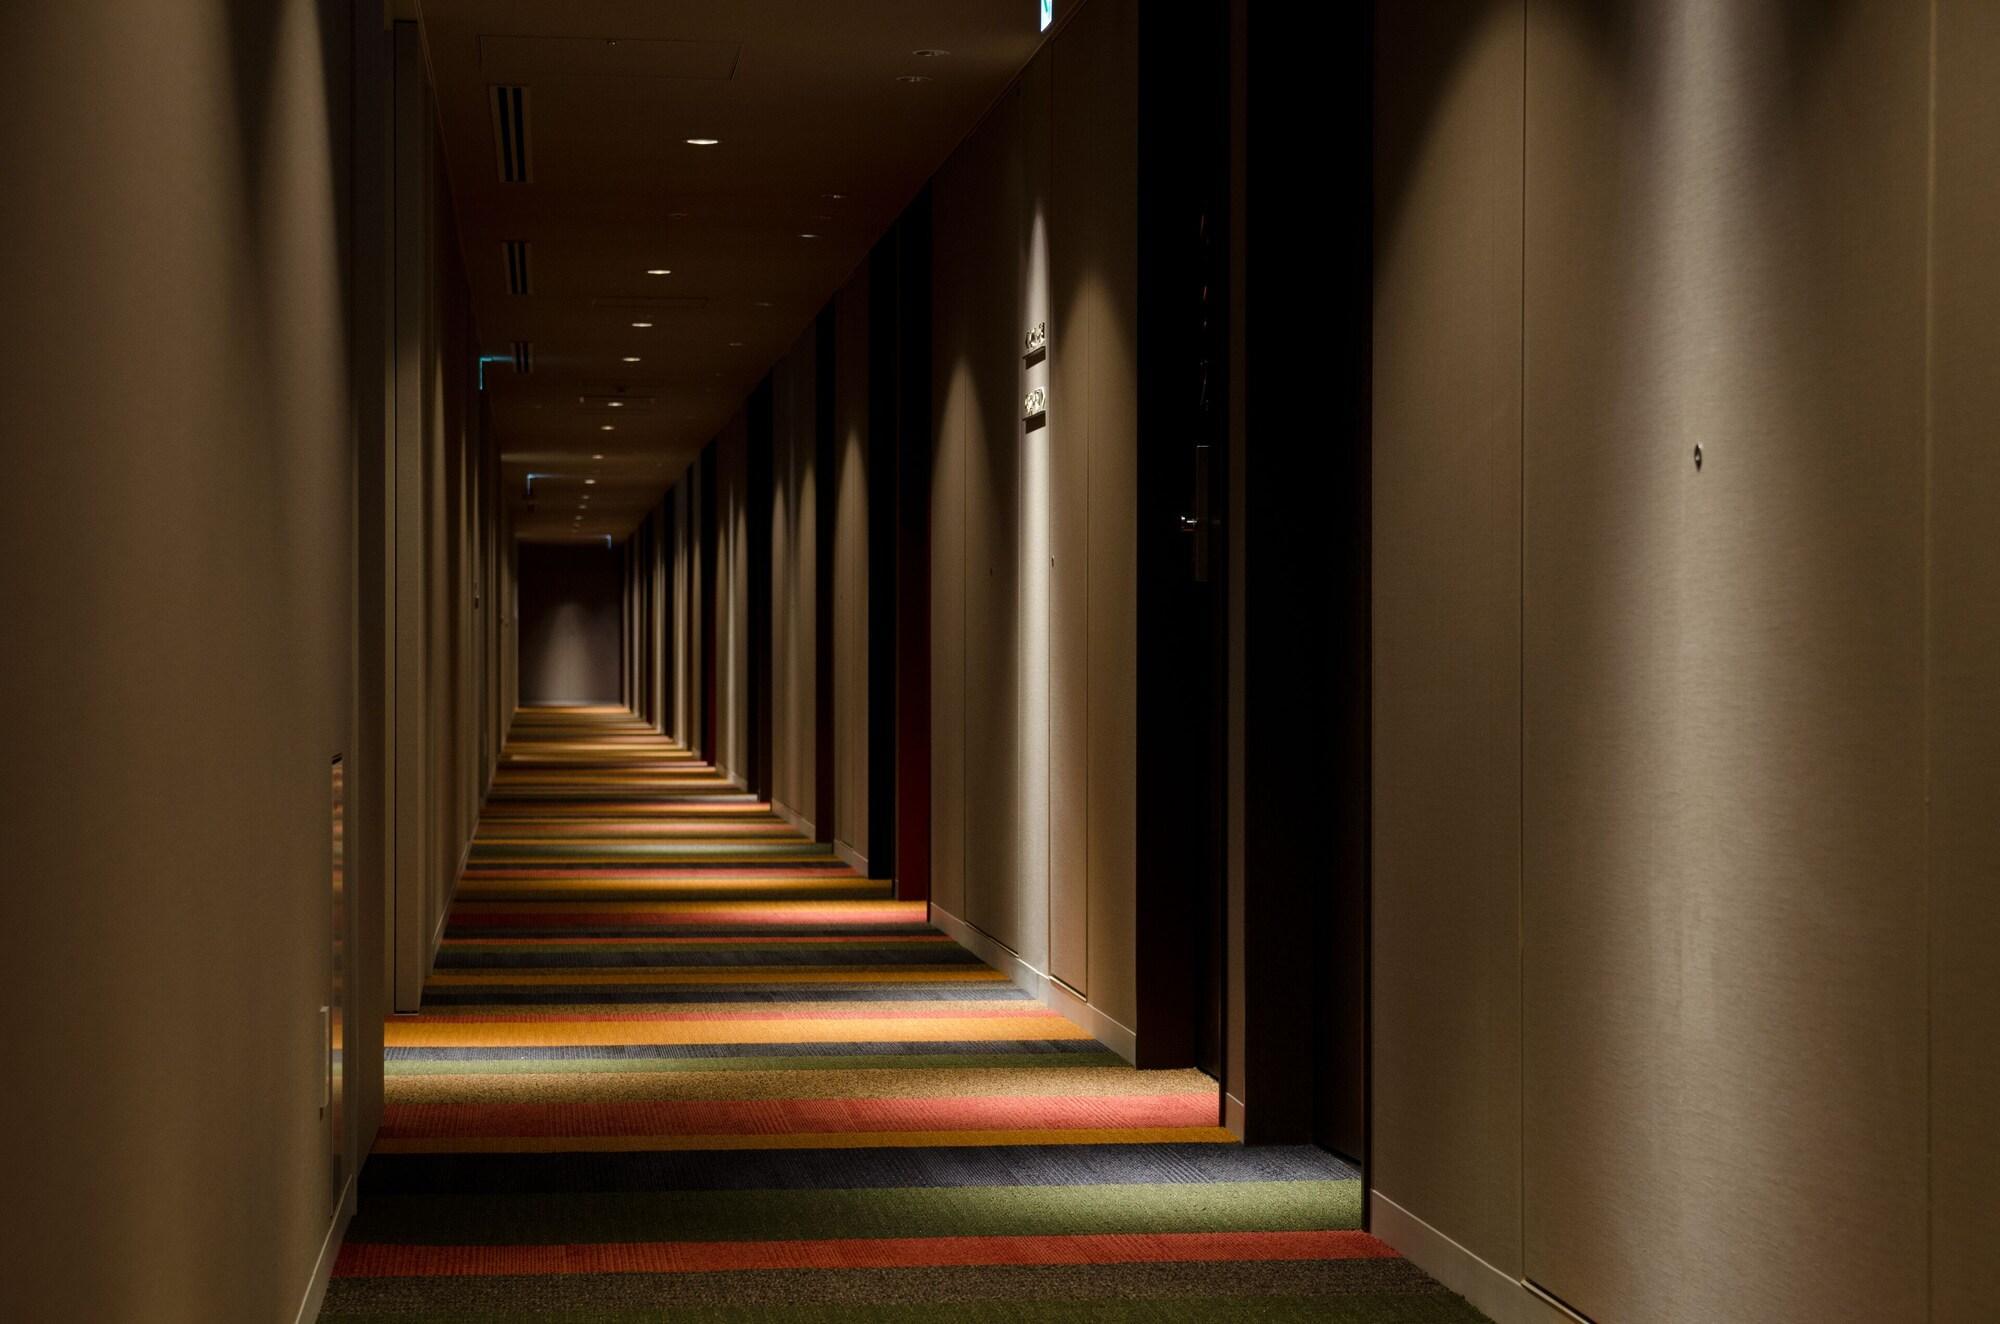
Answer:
x=677 y=1062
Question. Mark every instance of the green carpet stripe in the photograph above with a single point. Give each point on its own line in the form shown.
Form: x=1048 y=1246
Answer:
x=612 y=1294
x=796 y=1215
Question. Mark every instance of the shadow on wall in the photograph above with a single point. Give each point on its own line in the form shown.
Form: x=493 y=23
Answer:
x=571 y=633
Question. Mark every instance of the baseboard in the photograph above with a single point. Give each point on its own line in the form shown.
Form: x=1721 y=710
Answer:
x=329 y=1251
x=1498 y=1295
x=1120 y=1039
x=853 y=858
x=1051 y=992
x=990 y=950
x=799 y=821
x=444 y=914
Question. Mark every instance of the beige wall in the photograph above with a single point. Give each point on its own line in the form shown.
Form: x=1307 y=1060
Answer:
x=442 y=521
x=1033 y=555
x=570 y=637
x=190 y=266
x=794 y=570
x=1964 y=669
x=732 y=598
x=1673 y=978
x=850 y=570
x=1447 y=1073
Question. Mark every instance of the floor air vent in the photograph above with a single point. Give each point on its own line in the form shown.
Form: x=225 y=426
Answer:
x=516 y=251
x=510 y=133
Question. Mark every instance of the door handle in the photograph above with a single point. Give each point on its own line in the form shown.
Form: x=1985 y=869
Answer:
x=1200 y=525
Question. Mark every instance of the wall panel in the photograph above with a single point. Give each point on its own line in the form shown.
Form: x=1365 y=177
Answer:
x=794 y=574
x=990 y=163
x=955 y=211
x=182 y=626
x=1965 y=670
x=1446 y=621
x=850 y=569
x=1723 y=995
x=1034 y=536
x=732 y=605
x=1075 y=301
x=1097 y=221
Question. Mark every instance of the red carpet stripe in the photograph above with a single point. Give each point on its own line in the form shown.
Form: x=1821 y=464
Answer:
x=782 y=1116
x=858 y=1253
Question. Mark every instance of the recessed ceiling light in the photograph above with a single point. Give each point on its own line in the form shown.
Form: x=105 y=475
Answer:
x=808 y=236
x=617 y=404
x=703 y=142
x=929 y=53
x=590 y=482
x=597 y=457
x=643 y=326
x=631 y=358
x=736 y=344
x=604 y=427
x=761 y=303
x=659 y=271
x=912 y=78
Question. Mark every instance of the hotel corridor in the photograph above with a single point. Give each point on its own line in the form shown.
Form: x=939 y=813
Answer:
x=674 y=1056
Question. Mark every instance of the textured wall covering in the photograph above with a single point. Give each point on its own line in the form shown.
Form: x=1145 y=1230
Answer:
x=570 y=632
x=732 y=598
x=850 y=567
x=1723 y=709
x=1669 y=733
x=1034 y=544
x=1965 y=669
x=1447 y=622
x=191 y=572
x=794 y=574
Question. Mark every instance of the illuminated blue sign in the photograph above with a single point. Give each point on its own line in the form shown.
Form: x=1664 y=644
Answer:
x=1048 y=13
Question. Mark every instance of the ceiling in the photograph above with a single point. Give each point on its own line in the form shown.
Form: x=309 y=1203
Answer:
x=819 y=135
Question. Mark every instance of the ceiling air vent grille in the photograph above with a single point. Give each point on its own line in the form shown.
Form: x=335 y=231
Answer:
x=516 y=252
x=510 y=133
x=524 y=357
